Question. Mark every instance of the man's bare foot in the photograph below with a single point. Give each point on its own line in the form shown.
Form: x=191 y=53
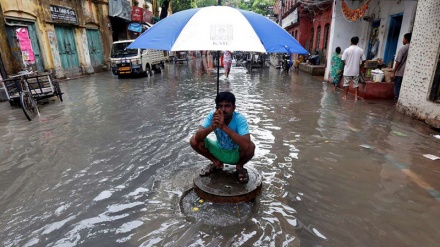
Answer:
x=344 y=97
x=205 y=171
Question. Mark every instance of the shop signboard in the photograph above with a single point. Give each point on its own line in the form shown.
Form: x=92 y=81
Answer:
x=137 y=14
x=63 y=14
x=135 y=27
x=147 y=17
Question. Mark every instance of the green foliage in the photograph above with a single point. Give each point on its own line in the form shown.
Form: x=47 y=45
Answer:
x=204 y=3
x=179 y=5
x=262 y=7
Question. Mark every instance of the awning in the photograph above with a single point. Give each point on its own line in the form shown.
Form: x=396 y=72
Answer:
x=135 y=27
x=119 y=8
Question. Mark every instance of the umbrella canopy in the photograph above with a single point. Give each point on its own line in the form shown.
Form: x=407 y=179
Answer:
x=218 y=28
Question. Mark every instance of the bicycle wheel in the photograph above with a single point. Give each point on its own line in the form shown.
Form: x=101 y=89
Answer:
x=57 y=91
x=29 y=105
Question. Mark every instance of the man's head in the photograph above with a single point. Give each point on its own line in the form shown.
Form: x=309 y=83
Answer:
x=225 y=101
x=407 y=38
x=354 y=40
x=316 y=52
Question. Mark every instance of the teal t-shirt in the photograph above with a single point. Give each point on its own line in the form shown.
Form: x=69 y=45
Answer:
x=238 y=124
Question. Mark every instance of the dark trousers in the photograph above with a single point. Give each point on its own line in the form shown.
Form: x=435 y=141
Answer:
x=397 y=84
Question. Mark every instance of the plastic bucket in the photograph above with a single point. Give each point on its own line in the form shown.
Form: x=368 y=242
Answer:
x=378 y=77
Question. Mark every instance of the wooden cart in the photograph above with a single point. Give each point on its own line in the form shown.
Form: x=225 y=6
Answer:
x=25 y=89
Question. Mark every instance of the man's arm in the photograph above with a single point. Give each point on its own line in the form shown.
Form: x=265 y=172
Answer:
x=393 y=74
x=399 y=57
x=202 y=133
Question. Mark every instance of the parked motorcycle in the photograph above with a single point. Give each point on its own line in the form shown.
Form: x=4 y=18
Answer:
x=286 y=62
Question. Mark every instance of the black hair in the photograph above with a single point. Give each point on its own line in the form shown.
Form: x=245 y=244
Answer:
x=338 y=49
x=355 y=40
x=407 y=36
x=225 y=96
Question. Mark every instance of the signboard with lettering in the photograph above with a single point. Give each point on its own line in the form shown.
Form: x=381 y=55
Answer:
x=137 y=14
x=148 y=16
x=63 y=14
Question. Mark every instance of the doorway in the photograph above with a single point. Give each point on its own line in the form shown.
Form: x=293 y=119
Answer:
x=94 y=42
x=67 y=47
x=23 y=40
x=393 y=37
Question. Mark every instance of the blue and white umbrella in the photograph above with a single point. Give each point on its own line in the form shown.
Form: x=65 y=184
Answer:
x=218 y=28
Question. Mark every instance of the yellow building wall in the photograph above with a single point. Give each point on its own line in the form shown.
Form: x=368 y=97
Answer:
x=90 y=14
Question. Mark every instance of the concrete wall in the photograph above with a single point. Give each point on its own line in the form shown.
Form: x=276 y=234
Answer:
x=421 y=64
x=303 y=28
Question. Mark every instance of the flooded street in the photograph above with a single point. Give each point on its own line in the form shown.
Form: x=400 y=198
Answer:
x=112 y=165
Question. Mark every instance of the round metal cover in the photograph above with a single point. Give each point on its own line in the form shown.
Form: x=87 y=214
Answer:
x=223 y=186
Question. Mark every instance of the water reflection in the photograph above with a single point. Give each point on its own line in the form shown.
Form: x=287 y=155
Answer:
x=110 y=164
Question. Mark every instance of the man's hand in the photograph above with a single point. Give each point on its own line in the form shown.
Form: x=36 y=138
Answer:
x=218 y=119
x=393 y=75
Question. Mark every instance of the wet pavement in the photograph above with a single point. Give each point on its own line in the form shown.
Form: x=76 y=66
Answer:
x=112 y=166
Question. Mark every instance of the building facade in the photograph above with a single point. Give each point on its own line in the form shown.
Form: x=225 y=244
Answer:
x=67 y=38
x=307 y=22
x=380 y=26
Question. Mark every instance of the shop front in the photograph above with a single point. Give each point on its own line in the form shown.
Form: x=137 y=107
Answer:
x=120 y=17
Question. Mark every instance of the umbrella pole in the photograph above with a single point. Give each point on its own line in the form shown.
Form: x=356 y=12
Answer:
x=218 y=70
x=219 y=2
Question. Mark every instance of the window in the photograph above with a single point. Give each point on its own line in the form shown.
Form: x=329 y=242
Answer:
x=326 y=34
x=311 y=40
x=435 y=91
x=318 y=38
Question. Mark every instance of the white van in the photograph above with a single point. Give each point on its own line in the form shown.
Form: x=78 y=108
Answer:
x=125 y=61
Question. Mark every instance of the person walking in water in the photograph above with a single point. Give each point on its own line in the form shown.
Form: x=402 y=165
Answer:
x=227 y=62
x=337 y=67
x=353 y=58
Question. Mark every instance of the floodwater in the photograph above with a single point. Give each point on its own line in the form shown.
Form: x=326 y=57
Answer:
x=111 y=166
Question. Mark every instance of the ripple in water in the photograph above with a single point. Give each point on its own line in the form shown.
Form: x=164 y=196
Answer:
x=215 y=214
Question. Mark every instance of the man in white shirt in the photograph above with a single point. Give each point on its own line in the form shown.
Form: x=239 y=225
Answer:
x=353 y=57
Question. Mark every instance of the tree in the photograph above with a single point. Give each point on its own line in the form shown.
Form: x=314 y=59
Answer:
x=204 y=3
x=262 y=7
x=179 y=5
